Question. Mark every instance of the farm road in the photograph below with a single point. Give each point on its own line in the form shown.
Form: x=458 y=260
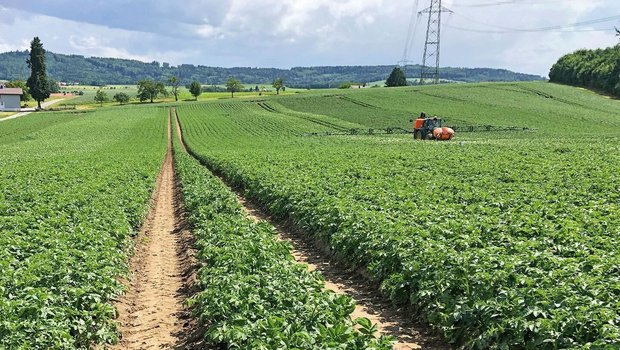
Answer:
x=369 y=303
x=152 y=314
x=30 y=110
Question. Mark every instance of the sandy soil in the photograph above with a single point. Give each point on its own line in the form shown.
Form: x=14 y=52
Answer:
x=152 y=314
x=369 y=303
x=178 y=128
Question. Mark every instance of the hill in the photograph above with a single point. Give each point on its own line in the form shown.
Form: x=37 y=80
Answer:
x=107 y=71
x=550 y=109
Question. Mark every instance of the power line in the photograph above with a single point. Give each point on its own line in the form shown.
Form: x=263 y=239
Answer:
x=510 y=2
x=489 y=4
x=508 y=31
x=503 y=29
x=412 y=30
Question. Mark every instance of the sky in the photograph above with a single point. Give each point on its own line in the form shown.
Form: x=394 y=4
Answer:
x=522 y=35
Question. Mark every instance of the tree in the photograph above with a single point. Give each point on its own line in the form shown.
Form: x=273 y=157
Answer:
x=121 y=97
x=195 y=89
x=396 y=78
x=233 y=85
x=149 y=90
x=21 y=85
x=53 y=85
x=101 y=97
x=278 y=84
x=597 y=69
x=37 y=83
x=174 y=83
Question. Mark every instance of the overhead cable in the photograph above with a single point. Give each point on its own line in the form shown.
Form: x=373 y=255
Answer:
x=503 y=29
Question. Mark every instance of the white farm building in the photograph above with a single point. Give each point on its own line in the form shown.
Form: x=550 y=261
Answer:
x=10 y=98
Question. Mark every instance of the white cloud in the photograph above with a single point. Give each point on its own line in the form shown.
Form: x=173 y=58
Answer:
x=90 y=40
x=208 y=31
x=517 y=49
x=102 y=48
x=20 y=46
x=285 y=33
x=534 y=51
x=81 y=42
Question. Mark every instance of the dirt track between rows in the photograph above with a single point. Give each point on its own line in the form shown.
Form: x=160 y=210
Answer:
x=369 y=303
x=152 y=314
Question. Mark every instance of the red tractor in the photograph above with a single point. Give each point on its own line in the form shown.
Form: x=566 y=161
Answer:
x=425 y=128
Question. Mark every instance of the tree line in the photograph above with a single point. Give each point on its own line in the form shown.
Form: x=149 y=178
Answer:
x=39 y=87
x=149 y=90
x=113 y=71
x=596 y=69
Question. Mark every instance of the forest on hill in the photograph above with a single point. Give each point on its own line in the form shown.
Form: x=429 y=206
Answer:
x=108 y=71
x=596 y=69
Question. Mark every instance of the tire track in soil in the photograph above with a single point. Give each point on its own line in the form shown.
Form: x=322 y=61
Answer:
x=163 y=269
x=369 y=303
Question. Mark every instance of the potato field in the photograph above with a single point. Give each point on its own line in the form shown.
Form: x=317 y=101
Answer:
x=502 y=240
x=495 y=240
x=74 y=187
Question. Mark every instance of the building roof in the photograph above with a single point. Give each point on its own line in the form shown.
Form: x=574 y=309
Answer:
x=11 y=91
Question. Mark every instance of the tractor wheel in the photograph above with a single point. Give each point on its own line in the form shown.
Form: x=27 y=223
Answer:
x=429 y=137
x=417 y=135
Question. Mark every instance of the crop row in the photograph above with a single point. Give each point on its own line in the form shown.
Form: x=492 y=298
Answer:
x=498 y=244
x=254 y=295
x=72 y=191
x=249 y=119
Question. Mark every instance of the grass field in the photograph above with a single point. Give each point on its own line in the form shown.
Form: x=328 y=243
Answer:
x=87 y=100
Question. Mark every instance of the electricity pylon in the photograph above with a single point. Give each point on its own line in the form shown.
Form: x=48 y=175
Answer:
x=432 y=46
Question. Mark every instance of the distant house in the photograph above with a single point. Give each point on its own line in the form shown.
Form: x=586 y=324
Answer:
x=359 y=86
x=10 y=99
